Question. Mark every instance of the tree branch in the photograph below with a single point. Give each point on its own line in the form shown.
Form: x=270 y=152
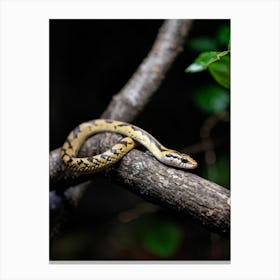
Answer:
x=130 y=101
x=184 y=192
x=176 y=189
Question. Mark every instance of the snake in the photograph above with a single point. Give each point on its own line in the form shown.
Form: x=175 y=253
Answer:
x=133 y=137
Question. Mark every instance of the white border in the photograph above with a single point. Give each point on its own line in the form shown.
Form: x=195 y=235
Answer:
x=24 y=138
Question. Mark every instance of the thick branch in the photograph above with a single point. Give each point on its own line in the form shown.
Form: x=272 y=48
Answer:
x=176 y=189
x=180 y=190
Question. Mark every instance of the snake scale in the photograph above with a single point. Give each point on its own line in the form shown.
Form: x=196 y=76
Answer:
x=134 y=135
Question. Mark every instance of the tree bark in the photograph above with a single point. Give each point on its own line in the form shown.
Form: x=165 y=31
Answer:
x=175 y=189
x=130 y=101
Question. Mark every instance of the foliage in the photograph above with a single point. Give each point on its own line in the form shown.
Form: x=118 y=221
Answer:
x=213 y=56
x=218 y=41
x=211 y=99
x=219 y=172
x=163 y=238
x=216 y=62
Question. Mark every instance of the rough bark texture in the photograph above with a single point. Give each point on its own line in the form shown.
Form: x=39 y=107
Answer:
x=139 y=171
x=145 y=81
x=182 y=191
x=177 y=189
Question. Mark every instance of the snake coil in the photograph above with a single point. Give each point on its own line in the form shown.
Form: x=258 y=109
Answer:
x=134 y=135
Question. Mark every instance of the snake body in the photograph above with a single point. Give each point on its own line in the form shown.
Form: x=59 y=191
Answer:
x=134 y=135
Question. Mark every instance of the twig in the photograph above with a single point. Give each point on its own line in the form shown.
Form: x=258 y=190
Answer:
x=206 y=138
x=203 y=146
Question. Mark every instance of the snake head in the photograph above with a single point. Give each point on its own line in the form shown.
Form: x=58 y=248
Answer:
x=177 y=159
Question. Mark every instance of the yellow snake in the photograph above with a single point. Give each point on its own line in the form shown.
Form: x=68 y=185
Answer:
x=134 y=135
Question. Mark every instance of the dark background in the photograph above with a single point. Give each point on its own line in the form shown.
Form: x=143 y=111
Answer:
x=90 y=61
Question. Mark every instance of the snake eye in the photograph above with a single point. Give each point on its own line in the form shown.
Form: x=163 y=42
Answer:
x=184 y=160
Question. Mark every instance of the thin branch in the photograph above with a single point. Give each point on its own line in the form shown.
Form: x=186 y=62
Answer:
x=208 y=143
x=203 y=146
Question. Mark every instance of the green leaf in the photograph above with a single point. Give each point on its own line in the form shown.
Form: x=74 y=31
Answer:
x=202 y=44
x=211 y=99
x=220 y=71
x=223 y=34
x=219 y=172
x=201 y=62
x=162 y=239
x=204 y=60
